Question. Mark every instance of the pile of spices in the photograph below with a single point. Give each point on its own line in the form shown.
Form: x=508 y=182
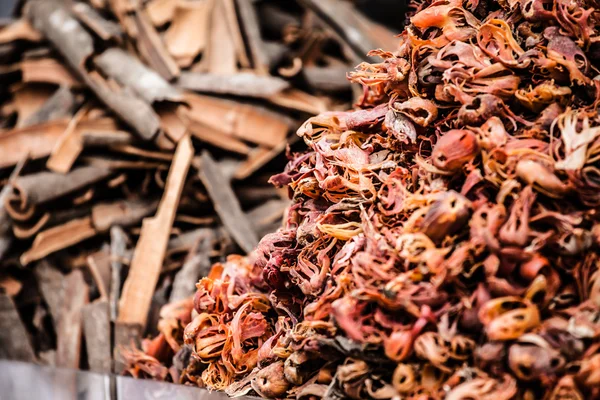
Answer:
x=443 y=241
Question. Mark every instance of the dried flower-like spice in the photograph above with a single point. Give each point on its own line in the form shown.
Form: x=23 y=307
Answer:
x=443 y=239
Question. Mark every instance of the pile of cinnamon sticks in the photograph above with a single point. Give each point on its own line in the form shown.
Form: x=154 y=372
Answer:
x=136 y=140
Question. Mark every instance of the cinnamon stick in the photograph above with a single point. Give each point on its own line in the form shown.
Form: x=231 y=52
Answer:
x=152 y=245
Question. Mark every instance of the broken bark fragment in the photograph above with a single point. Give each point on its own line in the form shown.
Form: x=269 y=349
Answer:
x=328 y=79
x=152 y=245
x=105 y=29
x=129 y=149
x=34 y=141
x=226 y=204
x=188 y=34
x=220 y=56
x=208 y=135
x=160 y=11
x=68 y=147
x=45 y=186
x=48 y=71
x=69 y=330
x=6 y=238
x=99 y=266
x=258 y=158
x=131 y=73
x=19 y=30
x=250 y=123
x=195 y=267
x=123 y=213
x=58 y=238
x=14 y=340
x=96 y=328
x=240 y=84
x=51 y=283
x=118 y=248
x=251 y=28
x=101 y=137
x=54 y=21
x=295 y=99
x=130 y=108
x=152 y=47
x=61 y=105
x=352 y=26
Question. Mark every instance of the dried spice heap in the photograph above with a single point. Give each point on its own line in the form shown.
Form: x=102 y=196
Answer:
x=444 y=238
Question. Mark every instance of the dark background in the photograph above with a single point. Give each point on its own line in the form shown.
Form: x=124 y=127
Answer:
x=6 y=7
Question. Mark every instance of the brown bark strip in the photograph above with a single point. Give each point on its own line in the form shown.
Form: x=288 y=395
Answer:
x=52 y=286
x=152 y=244
x=14 y=340
x=226 y=204
x=220 y=56
x=58 y=238
x=34 y=141
x=123 y=213
x=130 y=108
x=55 y=22
x=250 y=123
x=171 y=123
x=103 y=137
x=235 y=32
x=68 y=333
x=59 y=106
x=118 y=249
x=47 y=70
x=106 y=30
x=68 y=147
x=151 y=46
x=301 y=101
x=45 y=186
x=188 y=34
x=96 y=328
x=99 y=266
x=24 y=232
x=103 y=162
x=348 y=23
x=6 y=238
x=241 y=84
x=47 y=220
x=251 y=28
x=27 y=100
x=19 y=30
x=330 y=79
x=129 y=149
x=131 y=73
x=209 y=135
x=160 y=11
x=258 y=158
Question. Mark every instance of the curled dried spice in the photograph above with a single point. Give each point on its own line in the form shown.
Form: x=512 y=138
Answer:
x=444 y=237
x=454 y=149
x=507 y=318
